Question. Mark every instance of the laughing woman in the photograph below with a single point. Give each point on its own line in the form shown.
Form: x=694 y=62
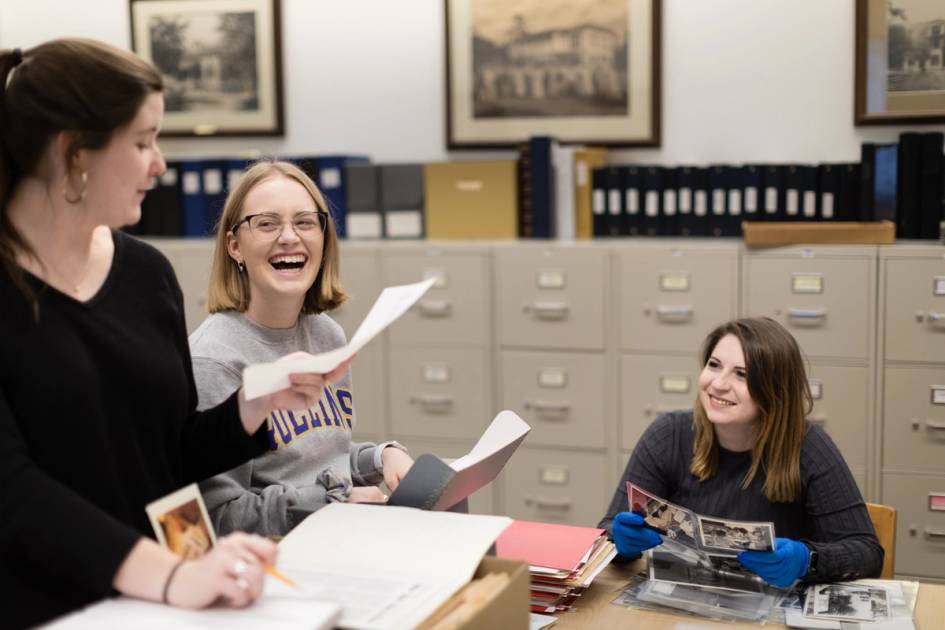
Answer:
x=275 y=273
x=746 y=452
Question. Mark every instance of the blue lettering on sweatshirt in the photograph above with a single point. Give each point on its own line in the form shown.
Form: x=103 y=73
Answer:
x=286 y=426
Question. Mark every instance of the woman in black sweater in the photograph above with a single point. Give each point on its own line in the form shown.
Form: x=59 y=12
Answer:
x=746 y=452
x=97 y=397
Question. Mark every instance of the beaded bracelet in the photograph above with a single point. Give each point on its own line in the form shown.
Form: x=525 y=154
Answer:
x=167 y=582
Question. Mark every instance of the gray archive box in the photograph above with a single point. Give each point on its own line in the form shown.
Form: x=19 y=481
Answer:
x=364 y=219
x=401 y=199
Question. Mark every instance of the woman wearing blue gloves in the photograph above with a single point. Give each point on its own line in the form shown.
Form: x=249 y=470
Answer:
x=746 y=452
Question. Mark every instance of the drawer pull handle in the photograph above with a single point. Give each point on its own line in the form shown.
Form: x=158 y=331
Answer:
x=548 y=406
x=549 y=504
x=674 y=313
x=548 y=310
x=435 y=308
x=933 y=533
x=936 y=318
x=810 y=316
x=433 y=402
x=932 y=425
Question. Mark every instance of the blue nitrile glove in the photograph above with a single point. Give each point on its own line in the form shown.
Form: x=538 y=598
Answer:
x=632 y=536
x=781 y=567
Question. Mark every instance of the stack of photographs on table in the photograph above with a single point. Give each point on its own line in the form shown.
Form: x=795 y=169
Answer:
x=696 y=568
x=859 y=605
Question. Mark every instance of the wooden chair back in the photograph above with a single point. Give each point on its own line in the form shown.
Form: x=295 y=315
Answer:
x=884 y=522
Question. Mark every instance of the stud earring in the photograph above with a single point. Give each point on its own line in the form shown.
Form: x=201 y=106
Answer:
x=242 y=267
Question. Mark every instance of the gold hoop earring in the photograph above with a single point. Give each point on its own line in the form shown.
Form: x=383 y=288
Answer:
x=84 y=178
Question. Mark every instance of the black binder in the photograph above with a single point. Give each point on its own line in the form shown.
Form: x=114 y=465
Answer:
x=847 y=205
x=751 y=198
x=773 y=197
x=931 y=184
x=652 y=200
x=907 y=185
x=717 y=193
x=161 y=212
x=829 y=176
x=599 y=202
x=669 y=215
x=632 y=221
x=734 y=178
x=613 y=183
x=686 y=184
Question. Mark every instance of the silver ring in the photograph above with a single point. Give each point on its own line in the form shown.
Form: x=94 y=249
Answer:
x=242 y=583
x=239 y=567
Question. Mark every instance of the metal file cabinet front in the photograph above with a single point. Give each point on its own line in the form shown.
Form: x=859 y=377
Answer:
x=825 y=301
x=914 y=419
x=456 y=309
x=920 y=523
x=841 y=397
x=670 y=297
x=439 y=392
x=556 y=486
x=561 y=395
x=191 y=260
x=915 y=309
x=651 y=385
x=551 y=297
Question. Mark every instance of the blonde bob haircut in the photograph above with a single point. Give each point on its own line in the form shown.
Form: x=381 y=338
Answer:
x=229 y=289
x=777 y=382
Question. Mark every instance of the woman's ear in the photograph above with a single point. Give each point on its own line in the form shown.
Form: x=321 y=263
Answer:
x=233 y=248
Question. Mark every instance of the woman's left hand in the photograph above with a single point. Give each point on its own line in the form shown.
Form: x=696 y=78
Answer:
x=396 y=463
x=304 y=390
x=781 y=567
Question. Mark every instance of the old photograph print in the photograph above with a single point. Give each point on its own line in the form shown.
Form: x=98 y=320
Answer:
x=181 y=523
x=674 y=522
x=915 y=45
x=208 y=60
x=542 y=58
x=733 y=536
x=847 y=602
x=670 y=567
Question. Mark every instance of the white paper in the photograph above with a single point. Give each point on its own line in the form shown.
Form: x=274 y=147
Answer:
x=264 y=378
x=538 y=622
x=506 y=428
x=267 y=612
x=417 y=558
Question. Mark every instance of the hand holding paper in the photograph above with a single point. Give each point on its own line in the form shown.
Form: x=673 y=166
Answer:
x=266 y=378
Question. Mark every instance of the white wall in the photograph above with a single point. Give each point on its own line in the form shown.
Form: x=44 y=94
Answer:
x=743 y=80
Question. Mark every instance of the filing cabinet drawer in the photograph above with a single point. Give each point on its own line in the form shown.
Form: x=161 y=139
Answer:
x=191 y=260
x=841 y=400
x=556 y=486
x=456 y=310
x=361 y=280
x=914 y=419
x=826 y=303
x=551 y=297
x=439 y=392
x=482 y=501
x=671 y=297
x=915 y=309
x=651 y=385
x=367 y=383
x=920 y=531
x=560 y=395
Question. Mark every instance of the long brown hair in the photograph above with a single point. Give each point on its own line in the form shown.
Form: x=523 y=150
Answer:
x=777 y=383
x=229 y=289
x=82 y=86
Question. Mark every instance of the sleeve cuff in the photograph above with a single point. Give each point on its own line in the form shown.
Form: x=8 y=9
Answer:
x=378 y=463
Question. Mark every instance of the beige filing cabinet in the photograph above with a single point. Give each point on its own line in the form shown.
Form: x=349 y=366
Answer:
x=553 y=329
x=440 y=363
x=360 y=278
x=826 y=296
x=912 y=403
x=191 y=259
x=670 y=294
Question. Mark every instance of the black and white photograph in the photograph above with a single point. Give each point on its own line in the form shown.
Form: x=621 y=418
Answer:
x=672 y=521
x=670 y=567
x=578 y=70
x=900 y=61
x=849 y=602
x=734 y=536
x=219 y=60
x=708 y=602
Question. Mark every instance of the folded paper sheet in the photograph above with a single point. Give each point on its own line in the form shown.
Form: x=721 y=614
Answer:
x=266 y=378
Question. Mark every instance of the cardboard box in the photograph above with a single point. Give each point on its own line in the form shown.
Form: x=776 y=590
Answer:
x=759 y=233
x=509 y=609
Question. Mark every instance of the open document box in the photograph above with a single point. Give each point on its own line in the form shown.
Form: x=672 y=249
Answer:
x=387 y=567
x=266 y=378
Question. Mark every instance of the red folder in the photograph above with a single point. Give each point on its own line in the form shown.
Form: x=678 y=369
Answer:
x=546 y=545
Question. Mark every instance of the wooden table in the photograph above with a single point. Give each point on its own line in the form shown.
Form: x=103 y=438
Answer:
x=594 y=610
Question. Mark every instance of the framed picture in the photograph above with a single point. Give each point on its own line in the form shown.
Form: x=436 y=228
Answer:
x=900 y=61
x=221 y=64
x=587 y=71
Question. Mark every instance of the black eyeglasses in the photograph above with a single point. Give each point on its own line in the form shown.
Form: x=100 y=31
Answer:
x=268 y=225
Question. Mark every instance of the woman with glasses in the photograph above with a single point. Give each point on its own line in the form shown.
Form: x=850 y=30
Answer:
x=274 y=275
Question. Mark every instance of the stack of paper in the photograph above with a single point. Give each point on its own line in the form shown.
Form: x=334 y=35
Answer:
x=563 y=560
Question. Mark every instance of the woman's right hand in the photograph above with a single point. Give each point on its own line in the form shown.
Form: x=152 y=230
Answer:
x=632 y=536
x=366 y=494
x=232 y=573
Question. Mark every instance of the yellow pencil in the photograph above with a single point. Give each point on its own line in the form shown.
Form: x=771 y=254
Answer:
x=274 y=572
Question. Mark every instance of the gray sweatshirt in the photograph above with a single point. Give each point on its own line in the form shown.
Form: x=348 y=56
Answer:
x=312 y=460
